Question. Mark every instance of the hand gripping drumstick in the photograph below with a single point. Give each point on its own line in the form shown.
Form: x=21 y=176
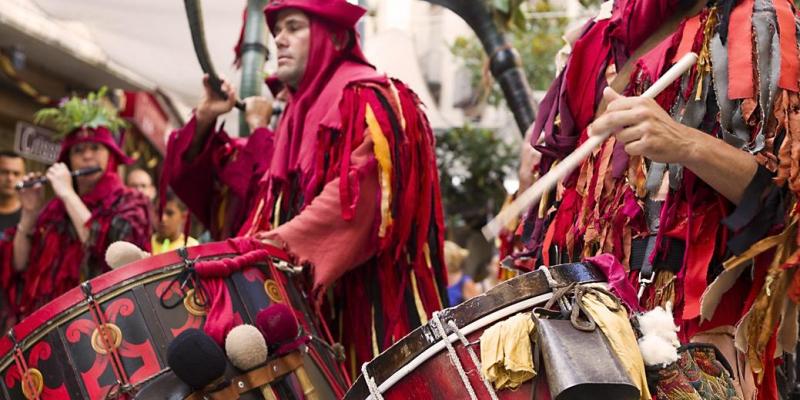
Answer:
x=569 y=163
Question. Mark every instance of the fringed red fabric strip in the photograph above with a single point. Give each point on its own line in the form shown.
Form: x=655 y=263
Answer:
x=740 y=51
x=702 y=238
x=220 y=318
x=690 y=29
x=351 y=127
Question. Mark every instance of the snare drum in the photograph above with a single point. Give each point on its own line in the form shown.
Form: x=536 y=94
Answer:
x=420 y=366
x=58 y=352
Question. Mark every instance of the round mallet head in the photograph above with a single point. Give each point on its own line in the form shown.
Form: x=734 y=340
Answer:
x=196 y=359
x=245 y=347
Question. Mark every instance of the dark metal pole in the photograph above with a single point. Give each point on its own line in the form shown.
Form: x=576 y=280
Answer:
x=504 y=61
x=254 y=53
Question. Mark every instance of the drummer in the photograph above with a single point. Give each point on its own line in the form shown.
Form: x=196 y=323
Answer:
x=59 y=244
x=347 y=183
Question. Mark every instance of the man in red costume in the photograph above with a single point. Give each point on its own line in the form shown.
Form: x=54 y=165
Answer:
x=674 y=194
x=58 y=245
x=347 y=183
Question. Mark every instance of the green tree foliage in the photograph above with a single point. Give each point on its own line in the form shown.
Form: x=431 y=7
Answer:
x=472 y=163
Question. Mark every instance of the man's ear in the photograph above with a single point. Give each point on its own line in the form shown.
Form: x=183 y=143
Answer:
x=341 y=39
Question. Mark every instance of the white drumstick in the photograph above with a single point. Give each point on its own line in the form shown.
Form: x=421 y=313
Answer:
x=569 y=163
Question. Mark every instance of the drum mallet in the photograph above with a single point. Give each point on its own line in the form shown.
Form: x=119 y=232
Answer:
x=247 y=349
x=572 y=161
x=280 y=326
x=200 y=363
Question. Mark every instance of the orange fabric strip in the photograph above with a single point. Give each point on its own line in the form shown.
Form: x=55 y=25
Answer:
x=690 y=29
x=789 y=53
x=740 y=51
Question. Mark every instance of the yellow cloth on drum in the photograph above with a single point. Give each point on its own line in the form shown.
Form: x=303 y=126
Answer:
x=506 y=358
x=617 y=328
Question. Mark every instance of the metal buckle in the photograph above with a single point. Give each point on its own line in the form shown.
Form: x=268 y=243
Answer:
x=644 y=282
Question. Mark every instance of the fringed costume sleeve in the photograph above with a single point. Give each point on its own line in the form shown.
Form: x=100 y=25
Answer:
x=216 y=185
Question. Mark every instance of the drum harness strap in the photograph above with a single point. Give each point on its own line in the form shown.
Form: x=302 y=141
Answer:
x=99 y=317
x=22 y=367
x=451 y=351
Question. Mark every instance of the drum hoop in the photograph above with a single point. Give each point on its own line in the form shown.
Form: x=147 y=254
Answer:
x=83 y=307
x=453 y=337
x=74 y=297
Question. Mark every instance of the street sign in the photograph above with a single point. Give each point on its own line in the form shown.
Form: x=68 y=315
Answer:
x=36 y=143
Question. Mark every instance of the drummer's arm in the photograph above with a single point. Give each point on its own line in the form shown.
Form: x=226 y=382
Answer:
x=319 y=236
x=61 y=181
x=22 y=240
x=79 y=214
x=32 y=200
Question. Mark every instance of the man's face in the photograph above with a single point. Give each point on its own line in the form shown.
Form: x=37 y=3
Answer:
x=141 y=181
x=11 y=171
x=292 y=36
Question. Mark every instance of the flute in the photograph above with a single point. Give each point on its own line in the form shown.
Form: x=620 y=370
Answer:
x=570 y=162
x=42 y=179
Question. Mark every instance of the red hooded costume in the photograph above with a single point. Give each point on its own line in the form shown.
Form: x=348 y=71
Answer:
x=58 y=261
x=347 y=182
x=745 y=92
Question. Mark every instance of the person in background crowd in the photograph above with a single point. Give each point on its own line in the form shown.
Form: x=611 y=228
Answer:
x=169 y=232
x=12 y=168
x=140 y=180
x=461 y=286
x=58 y=245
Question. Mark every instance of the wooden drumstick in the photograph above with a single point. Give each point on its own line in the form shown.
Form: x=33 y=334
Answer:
x=305 y=383
x=572 y=161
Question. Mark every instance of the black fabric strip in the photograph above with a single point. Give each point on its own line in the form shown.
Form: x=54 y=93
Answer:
x=724 y=9
x=397 y=131
x=751 y=203
x=762 y=208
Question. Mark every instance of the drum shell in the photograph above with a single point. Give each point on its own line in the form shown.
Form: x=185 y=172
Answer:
x=437 y=377
x=61 y=341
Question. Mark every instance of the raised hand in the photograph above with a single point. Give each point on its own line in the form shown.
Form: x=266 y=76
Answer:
x=645 y=129
x=212 y=105
x=32 y=198
x=258 y=111
x=60 y=179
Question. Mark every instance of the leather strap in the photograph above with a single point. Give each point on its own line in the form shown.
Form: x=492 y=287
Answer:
x=227 y=392
x=268 y=373
x=263 y=375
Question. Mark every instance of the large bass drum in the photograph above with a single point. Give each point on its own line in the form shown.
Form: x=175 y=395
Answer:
x=57 y=352
x=419 y=366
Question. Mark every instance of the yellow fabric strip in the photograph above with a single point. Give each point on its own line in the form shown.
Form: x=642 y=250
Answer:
x=383 y=156
x=506 y=357
x=223 y=207
x=423 y=317
x=426 y=250
x=375 y=348
x=762 y=246
x=617 y=328
x=277 y=213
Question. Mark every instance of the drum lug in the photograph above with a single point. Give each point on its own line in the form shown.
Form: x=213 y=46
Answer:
x=86 y=288
x=286 y=267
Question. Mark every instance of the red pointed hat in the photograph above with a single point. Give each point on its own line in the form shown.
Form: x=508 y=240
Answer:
x=338 y=12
